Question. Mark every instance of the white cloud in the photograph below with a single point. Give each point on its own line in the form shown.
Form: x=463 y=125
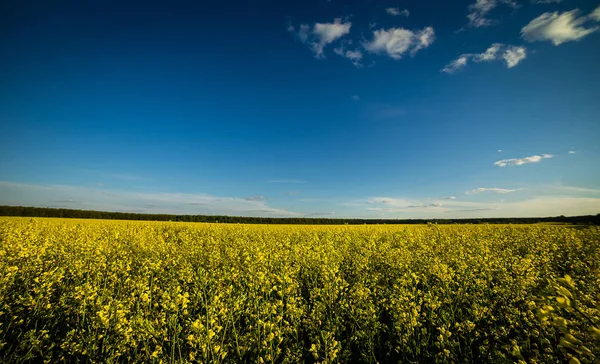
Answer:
x=511 y=55
x=499 y=150
x=456 y=65
x=546 y=1
x=128 y=201
x=395 y=42
x=571 y=152
x=397 y=11
x=425 y=38
x=354 y=56
x=521 y=161
x=479 y=190
x=595 y=15
x=490 y=54
x=514 y=55
x=559 y=28
x=450 y=198
x=479 y=10
x=321 y=34
x=326 y=33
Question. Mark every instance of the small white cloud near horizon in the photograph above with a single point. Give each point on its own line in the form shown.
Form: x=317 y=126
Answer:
x=560 y=28
x=480 y=9
x=395 y=42
x=397 y=11
x=511 y=55
x=479 y=190
x=521 y=161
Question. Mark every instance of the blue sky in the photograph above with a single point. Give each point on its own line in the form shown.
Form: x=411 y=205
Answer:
x=308 y=108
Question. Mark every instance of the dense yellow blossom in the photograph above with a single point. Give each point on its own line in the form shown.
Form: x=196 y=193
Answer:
x=127 y=291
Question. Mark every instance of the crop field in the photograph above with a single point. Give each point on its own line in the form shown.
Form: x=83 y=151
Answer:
x=151 y=292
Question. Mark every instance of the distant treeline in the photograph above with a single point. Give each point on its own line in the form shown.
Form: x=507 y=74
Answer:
x=90 y=214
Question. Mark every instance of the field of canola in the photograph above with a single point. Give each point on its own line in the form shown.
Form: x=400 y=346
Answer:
x=126 y=291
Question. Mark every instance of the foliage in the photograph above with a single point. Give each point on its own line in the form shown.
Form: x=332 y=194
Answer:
x=91 y=214
x=126 y=291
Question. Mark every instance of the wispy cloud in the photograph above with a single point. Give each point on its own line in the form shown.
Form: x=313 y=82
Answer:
x=546 y=1
x=320 y=214
x=534 y=206
x=355 y=97
x=538 y=200
x=514 y=55
x=303 y=32
x=396 y=42
x=255 y=198
x=398 y=205
x=595 y=15
x=456 y=65
x=560 y=28
x=572 y=152
x=128 y=201
x=472 y=210
x=321 y=34
x=355 y=55
x=565 y=190
x=478 y=12
x=511 y=55
x=521 y=161
x=479 y=190
x=397 y=11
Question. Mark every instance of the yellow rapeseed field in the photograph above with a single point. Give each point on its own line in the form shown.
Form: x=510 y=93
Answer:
x=152 y=292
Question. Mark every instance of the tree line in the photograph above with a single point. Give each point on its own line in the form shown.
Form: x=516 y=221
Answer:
x=26 y=211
